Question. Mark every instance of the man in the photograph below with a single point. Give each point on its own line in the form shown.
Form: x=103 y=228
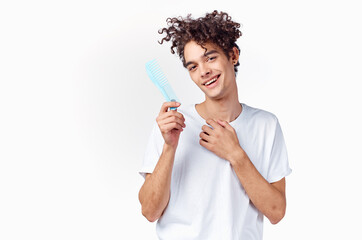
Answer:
x=213 y=170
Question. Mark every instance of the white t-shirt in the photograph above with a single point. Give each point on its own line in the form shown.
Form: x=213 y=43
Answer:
x=207 y=200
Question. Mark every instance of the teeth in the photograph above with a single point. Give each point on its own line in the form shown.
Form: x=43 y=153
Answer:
x=211 y=81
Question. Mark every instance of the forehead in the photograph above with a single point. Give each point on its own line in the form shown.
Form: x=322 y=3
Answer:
x=193 y=51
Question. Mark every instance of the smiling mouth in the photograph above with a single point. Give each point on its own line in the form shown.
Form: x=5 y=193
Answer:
x=211 y=81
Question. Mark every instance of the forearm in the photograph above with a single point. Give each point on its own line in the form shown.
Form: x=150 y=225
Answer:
x=265 y=197
x=155 y=192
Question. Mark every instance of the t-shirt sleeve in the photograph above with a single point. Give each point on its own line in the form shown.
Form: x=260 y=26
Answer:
x=278 y=162
x=152 y=152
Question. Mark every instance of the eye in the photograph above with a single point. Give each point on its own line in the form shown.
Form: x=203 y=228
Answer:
x=211 y=58
x=192 y=68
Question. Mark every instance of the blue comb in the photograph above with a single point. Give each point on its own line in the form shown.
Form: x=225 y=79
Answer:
x=159 y=79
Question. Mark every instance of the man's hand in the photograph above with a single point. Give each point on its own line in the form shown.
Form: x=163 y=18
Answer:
x=171 y=123
x=222 y=140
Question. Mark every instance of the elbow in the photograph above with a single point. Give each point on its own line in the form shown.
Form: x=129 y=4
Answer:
x=275 y=220
x=150 y=211
x=277 y=216
x=146 y=212
x=151 y=216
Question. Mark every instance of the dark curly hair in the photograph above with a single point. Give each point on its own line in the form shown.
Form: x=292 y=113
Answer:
x=215 y=27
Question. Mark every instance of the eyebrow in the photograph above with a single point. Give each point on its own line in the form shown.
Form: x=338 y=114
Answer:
x=205 y=55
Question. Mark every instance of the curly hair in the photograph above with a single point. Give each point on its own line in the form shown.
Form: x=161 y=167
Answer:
x=215 y=27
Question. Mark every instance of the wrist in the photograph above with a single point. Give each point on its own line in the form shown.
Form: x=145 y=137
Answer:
x=169 y=148
x=238 y=156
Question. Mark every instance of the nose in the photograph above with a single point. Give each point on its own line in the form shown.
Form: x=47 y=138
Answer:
x=204 y=70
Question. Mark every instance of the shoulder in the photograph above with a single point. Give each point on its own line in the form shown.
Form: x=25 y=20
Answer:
x=257 y=115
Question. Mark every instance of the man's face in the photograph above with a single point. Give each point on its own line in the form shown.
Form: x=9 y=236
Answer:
x=212 y=71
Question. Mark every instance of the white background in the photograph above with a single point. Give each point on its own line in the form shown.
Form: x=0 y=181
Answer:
x=76 y=109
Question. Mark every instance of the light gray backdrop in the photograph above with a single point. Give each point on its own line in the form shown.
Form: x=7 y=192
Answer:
x=76 y=109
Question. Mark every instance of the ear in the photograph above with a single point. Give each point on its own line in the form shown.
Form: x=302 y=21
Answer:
x=234 y=55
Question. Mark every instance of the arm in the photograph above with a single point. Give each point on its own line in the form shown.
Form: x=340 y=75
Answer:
x=268 y=198
x=155 y=192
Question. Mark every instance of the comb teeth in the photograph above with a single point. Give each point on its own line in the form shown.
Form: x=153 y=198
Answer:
x=159 y=79
x=156 y=72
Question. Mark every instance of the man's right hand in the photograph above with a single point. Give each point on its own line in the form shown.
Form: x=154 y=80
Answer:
x=171 y=123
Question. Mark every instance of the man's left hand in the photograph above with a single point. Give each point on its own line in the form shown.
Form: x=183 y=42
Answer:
x=222 y=140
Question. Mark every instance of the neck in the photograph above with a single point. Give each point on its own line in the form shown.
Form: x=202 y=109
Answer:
x=227 y=108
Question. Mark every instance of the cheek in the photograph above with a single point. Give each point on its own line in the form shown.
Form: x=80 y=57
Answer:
x=193 y=77
x=223 y=67
x=230 y=70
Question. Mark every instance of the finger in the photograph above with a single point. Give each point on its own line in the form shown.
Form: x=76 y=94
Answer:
x=167 y=105
x=171 y=113
x=170 y=126
x=222 y=123
x=213 y=123
x=206 y=129
x=205 y=137
x=205 y=144
x=172 y=118
x=225 y=124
